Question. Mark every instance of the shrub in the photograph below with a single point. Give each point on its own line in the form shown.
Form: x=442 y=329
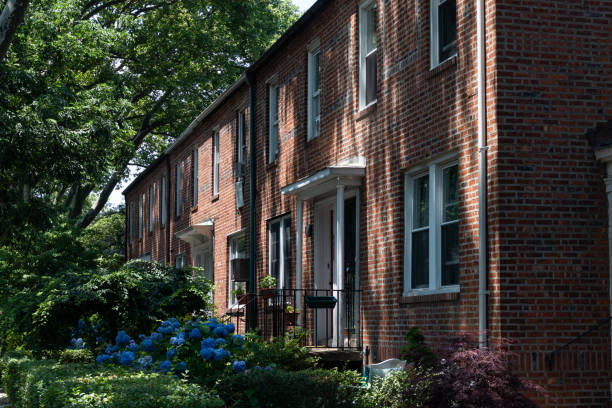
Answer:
x=416 y=351
x=76 y=356
x=34 y=384
x=409 y=388
x=282 y=352
x=275 y=388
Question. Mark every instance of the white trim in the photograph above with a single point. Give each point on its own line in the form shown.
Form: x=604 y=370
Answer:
x=325 y=181
x=273 y=122
x=435 y=223
x=140 y=215
x=177 y=188
x=163 y=197
x=151 y=194
x=363 y=11
x=240 y=134
x=435 y=33
x=284 y=222
x=195 y=178
x=216 y=160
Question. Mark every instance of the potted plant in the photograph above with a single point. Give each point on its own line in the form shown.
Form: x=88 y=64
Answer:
x=240 y=295
x=291 y=314
x=267 y=286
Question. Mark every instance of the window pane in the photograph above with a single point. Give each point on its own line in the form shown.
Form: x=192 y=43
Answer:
x=275 y=250
x=371 y=77
x=287 y=254
x=447 y=20
x=163 y=200
x=316 y=84
x=420 y=259
x=371 y=29
x=450 y=254
x=420 y=215
x=451 y=201
x=316 y=112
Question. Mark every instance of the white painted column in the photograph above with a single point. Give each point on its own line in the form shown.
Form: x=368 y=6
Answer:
x=298 y=259
x=339 y=258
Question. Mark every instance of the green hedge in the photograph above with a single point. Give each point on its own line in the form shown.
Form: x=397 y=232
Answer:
x=277 y=388
x=46 y=383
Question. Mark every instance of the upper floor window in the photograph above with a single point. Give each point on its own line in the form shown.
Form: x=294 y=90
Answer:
x=195 y=177
x=280 y=251
x=273 y=131
x=131 y=223
x=178 y=189
x=241 y=143
x=151 y=208
x=367 y=53
x=314 y=94
x=431 y=249
x=443 y=30
x=216 y=162
x=162 y=200
x=140 y=215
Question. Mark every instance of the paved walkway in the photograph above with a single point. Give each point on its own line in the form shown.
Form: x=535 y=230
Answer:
x=4 y=402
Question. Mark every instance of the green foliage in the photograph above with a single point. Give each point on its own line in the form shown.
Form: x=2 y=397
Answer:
x=416 y=351
x=76 y=356
x=282 y=352
x=40 y=317
x=106 y=238
x=275 y=388
x=33 y=384
x=409 y=388
x=267 y=282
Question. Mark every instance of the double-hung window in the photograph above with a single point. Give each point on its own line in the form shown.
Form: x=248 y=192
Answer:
x=216 y=162
x=280 y=251
x=443 y=30
x=151 y=208
x=367 y=53
x=178 y=189
x=273 y=119
x=131 y=224
x=195 y=177
x=431 y=244
x=162 y=200
x=314 y=94
x=237 y=249
x=140 y=215
x=241 y=144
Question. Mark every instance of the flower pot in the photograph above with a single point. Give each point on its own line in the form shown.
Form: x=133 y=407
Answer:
x=267 y=293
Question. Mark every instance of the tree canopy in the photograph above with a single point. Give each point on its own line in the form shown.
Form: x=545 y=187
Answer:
x=91 y=86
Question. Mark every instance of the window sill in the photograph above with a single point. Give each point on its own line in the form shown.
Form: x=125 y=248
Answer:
x=214 y=198
x=443 y=66
x=366 y=111
x=447 y=294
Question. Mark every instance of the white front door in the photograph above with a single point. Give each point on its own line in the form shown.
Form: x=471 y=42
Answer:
x=202 y=258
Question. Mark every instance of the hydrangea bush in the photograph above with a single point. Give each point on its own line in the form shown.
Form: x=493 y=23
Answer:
x=199 y=349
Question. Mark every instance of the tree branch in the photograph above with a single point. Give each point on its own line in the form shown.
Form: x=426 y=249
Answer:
x=10 y=19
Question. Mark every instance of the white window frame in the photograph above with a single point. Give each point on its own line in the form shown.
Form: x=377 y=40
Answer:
x=274 y=121
x=195 y=176
x=178 y=187
x=162 y=201
x=434 y=171
x=364 y=8
x=241 y=142
x=216 y=162
x=131 y=226
x=435 y=33
x=284 y=221
x=234 y=254
x=151 y=208
x=313 y=116
x=140 y=215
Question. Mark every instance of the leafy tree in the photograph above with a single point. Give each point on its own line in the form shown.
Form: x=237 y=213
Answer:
x=91 y=86
x=10 y=19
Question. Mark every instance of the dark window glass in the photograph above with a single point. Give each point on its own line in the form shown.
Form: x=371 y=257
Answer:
x=420 y=259
x=447 y=20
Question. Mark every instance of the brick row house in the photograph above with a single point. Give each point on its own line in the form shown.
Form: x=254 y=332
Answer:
x=430 y=163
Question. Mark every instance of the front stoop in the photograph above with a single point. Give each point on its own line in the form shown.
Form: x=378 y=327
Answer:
x=335 y=357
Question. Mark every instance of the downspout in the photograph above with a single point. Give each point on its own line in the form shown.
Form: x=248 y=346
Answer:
x=252 y=305
x=482 y=174
x=168 y=189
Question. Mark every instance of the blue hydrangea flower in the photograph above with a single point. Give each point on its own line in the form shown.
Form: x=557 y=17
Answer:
x=147 y=345
x=122 y=338
x=239 y=366
x=231 y=327
x=180 y=366
x=195 y=334
x=220 y=331
x=99 y=339
x=170 y=354
x=220 y=354
x=220 y=342
x=165 y=366
x=108 y=349
x=82 y=324
x=145 y=361
x=76 y=344
x=141 y=337
x=177 y=341
x=126 y=358
x=207 y=353
x=115 y=348
x=238 y=340
x=133 y=347
x=103 y=358
x=208 y=342
x=156 y=337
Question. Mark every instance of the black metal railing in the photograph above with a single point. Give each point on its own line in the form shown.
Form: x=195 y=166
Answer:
x=327 y=318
